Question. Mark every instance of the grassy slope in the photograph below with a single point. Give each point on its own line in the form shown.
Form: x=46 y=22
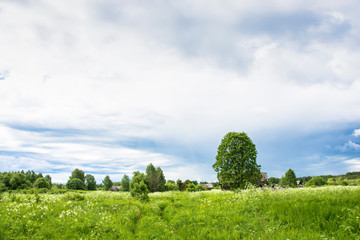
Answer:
x=311 y=213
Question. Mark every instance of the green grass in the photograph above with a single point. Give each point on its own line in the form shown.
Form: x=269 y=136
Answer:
x=305 y=213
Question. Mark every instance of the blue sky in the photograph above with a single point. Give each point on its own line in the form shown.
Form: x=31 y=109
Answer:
x=110 y=86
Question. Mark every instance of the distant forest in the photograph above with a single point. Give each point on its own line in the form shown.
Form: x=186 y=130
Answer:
x=30 y=180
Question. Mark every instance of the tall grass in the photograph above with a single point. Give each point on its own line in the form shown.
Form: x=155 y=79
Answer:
x=304 y=213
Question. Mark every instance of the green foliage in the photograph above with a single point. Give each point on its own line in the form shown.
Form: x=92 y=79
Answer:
x=191 y=187
x=138 y=177
x=79 y=174
x=199 y=187
x=273 y=181
x=236 y=161
x=289 y=180
x=180 y=184
x=140 y=191
x=107 y=182
x=316 y=181
x=18 y=181
x=156 y=178
x=171 y=186
x=3 y=188
x=48 y=179
x=75 y=184
x=42 y=183
x=73 y=196
x=90 y=182
x=125 y=183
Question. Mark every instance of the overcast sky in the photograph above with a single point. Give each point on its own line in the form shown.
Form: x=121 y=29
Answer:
x=110 y=86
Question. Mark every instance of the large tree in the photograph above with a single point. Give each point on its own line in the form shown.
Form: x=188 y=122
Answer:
x=236 y=161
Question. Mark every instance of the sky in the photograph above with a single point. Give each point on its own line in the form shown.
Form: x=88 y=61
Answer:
x=110 y=86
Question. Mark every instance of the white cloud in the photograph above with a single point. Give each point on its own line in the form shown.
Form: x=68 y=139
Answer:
x=349 y=146
x=354 y=164
x=167 y=73
x=356 y=132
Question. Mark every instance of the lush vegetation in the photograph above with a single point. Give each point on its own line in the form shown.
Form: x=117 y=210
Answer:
x=294 y=213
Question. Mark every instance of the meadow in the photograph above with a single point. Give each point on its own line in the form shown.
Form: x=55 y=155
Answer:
x=300 y=213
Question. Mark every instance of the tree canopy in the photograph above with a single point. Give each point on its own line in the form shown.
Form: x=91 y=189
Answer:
x=107 y=182
x=156 y=178
x=289 y=179
x=125 y=183
x=90 y=182
x=236 y=161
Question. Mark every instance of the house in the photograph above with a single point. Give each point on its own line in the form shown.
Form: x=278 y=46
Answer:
x=115 y=188
x=207 y=186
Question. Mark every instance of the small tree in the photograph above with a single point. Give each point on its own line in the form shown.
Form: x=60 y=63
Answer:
x=42 y=183
x=273 y=180
x=90 y=182
x=75 y=184
x=79 y=174
x=236 y=161
x=140 y=191
x=316 y=181
x=125 y=183
x=48 y=179
x=107 y=182
x=171 y=186
x=139 y=188
x=191 y=187
x=289 y=179
x=156 y=178
x=186 y=184
x=180 y=184
x=199 y=187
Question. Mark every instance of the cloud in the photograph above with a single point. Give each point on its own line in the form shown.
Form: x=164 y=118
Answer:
x=118 y=83
x=354 y=164
x=356 y=132
x=349 y=146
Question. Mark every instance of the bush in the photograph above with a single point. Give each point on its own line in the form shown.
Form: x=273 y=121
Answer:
x=315 y=181
x=191 y=187
x=3 y=188
x=140 y=191
x=74 y=196
x=199 y=187
x=75 y=184
x=170 y=186
x=42 y=183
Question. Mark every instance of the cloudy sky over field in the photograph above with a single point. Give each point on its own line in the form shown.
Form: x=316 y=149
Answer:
x=110 y=86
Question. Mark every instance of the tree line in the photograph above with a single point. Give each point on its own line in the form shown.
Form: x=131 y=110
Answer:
x=152 y=180
x=290 y=180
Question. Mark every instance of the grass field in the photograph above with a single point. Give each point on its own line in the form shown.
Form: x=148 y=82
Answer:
x=303 y=213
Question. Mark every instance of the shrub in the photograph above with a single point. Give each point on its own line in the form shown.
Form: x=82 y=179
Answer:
x=191 y=187
x=199 y=187
x=171 y=186
x=42 y=183
x=316 y=181
x=3 y=188
x=75 y=184
x=74 y=196
x=140 y=191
